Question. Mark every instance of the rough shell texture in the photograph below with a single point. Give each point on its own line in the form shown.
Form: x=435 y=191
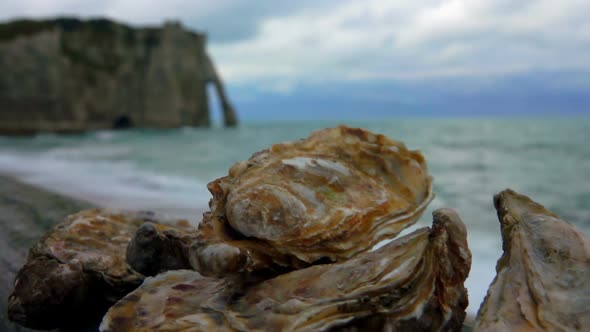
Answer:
x=543 y=277
x=413 y=283
x=76 y=271
x=328 y=197
x=156 y=248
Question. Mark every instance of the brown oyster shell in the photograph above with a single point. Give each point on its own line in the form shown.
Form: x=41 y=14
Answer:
x=413 y=283
x=77 y=270
x=325 y=198
x=543 y=277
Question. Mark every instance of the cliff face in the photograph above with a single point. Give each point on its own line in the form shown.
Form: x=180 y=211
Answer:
x=68 y=75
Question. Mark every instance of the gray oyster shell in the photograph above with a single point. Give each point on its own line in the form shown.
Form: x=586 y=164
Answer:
x=543 y=277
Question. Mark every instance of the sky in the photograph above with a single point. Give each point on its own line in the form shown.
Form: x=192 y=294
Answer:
x=376 y=58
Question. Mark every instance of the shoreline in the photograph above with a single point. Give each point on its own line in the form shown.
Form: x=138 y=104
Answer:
x=28 y=210
x=108 y=200
x=26 y=214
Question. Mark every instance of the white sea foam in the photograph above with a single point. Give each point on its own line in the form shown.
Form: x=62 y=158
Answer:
x=106 y=183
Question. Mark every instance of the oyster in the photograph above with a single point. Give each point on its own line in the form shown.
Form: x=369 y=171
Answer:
x=543 y=277
x=77 y=270
x=157 y=248
x=414 y=283
x=325 y=198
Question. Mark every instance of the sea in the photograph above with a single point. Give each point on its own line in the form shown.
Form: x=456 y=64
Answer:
x=470 y=159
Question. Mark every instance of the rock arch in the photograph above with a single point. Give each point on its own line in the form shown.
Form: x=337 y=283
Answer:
x=230 y=119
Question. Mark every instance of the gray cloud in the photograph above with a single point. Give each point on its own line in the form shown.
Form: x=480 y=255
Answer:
x=278 y=45
x=242 y=19
x=410 y=40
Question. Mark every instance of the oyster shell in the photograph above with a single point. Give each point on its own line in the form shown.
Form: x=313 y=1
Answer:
x=77 y=270
x=157 y=248
x=328 y=197
x=414 y=283
x=543 y=277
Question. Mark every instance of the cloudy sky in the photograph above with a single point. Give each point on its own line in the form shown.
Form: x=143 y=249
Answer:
x=288 y=59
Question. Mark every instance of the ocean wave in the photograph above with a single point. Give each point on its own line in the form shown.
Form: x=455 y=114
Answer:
x=118 y=184
x=470 y=161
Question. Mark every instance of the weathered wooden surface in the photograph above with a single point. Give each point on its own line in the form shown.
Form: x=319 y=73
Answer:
x=26 y=213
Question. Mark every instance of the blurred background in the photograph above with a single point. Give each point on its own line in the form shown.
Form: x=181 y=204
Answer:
x=496 y=94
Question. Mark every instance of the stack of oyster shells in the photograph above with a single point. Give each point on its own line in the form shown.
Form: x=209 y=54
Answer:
x=289 y=245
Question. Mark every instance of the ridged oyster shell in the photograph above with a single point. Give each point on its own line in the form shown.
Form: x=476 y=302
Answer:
x=325 y=198
x=77 y=270
x=543 y=277
x=413 y=283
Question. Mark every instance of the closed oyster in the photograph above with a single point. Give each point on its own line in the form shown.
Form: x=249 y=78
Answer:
x=76 y=271
x=543 y=277
x=325 y=198
x=413 y=283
